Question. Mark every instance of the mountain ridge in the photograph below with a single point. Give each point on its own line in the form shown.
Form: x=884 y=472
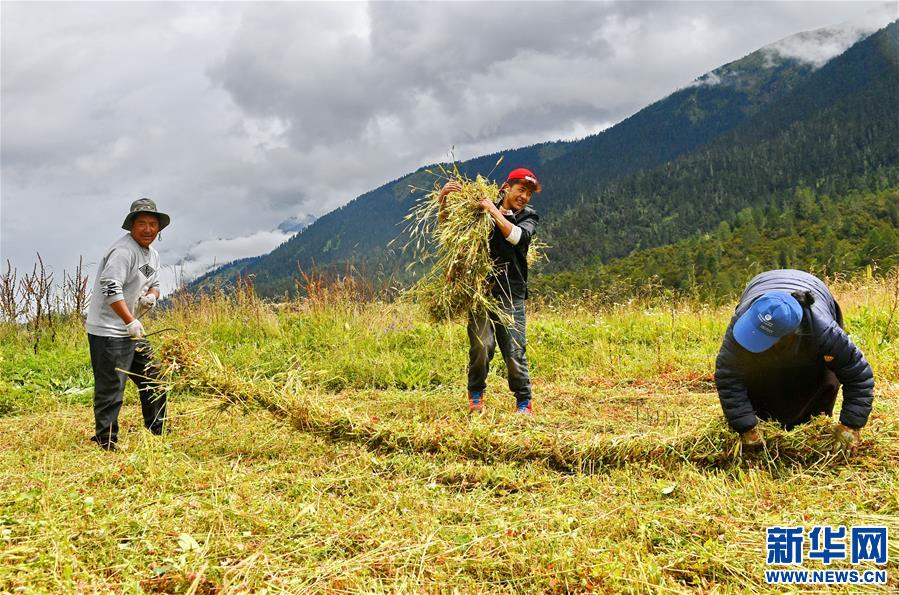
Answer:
x=574 y=173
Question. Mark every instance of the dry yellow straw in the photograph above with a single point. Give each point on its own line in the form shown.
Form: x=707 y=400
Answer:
x=457 y=238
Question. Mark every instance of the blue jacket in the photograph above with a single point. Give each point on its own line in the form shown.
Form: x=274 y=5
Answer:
x=822 y=342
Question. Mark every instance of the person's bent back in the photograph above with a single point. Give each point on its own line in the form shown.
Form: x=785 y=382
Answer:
x=785 y=355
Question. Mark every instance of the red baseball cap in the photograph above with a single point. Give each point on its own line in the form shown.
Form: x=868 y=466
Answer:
x=525 y=174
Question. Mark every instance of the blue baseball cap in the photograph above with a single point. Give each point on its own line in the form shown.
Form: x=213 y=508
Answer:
x=769 y=318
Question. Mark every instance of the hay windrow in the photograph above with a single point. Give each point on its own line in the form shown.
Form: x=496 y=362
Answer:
x=188 y=366
x=571 y=450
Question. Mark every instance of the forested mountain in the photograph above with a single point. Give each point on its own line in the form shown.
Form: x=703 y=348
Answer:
x=747 y=135
x=357 y=233
x=836 y=132
x=818 y=233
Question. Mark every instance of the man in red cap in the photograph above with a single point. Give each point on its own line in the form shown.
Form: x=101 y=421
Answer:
x=514 y=224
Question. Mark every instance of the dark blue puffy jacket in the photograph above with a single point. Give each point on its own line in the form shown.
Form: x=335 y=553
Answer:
x=822 y=343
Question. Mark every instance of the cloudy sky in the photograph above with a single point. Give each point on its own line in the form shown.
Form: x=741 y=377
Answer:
x=237 y=116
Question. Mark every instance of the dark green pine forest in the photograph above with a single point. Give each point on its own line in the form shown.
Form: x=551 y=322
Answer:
x=762 y=163
x=826 y=236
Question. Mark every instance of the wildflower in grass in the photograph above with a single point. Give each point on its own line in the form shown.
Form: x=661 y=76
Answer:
x=126 y=286
x=785 y=355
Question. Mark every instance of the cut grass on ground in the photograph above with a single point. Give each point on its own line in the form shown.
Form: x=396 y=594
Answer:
x=241 y=501
x=344 y=459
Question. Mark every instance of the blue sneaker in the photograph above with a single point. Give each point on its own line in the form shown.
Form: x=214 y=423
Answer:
x=474 y=401
x=524 y=407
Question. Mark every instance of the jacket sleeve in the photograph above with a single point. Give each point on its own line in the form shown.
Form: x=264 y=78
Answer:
x=853 y=371
x=154 y=278
x=730 y=380
x=527 y=224
x=112 y=277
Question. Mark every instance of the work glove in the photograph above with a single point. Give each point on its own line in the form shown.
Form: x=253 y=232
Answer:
x=135 y=328
x=752 y=438
x=148 y=301
x=845 y=439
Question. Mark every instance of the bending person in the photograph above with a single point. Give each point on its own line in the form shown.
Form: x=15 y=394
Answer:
x=785 y=355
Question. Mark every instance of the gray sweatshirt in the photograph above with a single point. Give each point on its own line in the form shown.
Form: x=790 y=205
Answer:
x=126 y=272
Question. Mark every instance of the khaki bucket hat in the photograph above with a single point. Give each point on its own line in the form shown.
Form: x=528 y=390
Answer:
x=145 y=205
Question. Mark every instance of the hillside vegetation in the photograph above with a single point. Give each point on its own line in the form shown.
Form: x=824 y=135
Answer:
x=761 y=138
x=811 y=232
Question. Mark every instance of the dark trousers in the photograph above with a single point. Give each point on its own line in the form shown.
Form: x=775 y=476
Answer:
x=484 y=333
x=114 y=359
x=792 y=403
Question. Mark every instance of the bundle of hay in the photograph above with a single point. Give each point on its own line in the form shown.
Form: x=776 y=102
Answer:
x=456 y=239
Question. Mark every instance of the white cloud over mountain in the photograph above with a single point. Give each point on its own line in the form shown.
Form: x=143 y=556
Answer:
x=820 y=46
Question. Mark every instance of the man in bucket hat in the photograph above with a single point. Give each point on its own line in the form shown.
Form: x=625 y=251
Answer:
x=126 y=287
x=785 y=355
x=514 y=225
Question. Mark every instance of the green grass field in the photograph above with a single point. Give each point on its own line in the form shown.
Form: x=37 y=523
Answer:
x=329 y=448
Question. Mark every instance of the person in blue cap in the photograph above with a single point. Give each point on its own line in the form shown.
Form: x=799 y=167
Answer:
x=784 y=357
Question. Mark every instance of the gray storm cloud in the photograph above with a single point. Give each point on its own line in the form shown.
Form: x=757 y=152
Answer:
x=236 y=116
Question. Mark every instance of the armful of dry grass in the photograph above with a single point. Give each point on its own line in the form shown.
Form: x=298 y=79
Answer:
x=455 y=237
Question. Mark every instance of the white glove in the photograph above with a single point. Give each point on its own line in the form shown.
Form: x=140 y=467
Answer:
x=148 y=301
x=136 y=329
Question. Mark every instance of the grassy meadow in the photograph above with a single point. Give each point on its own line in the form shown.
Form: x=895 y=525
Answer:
x=325 y=446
